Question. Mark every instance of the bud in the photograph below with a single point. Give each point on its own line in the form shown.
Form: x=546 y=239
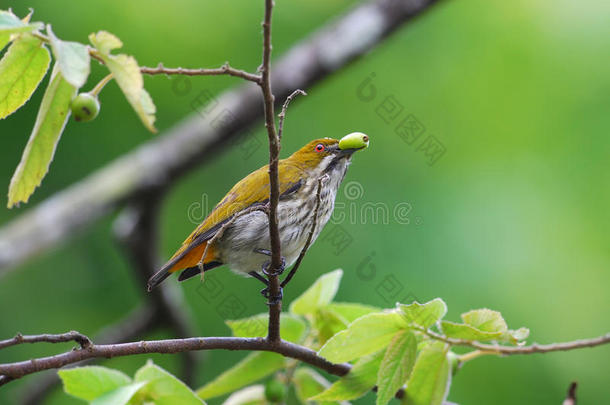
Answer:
x=85 y=107
x=275 y=391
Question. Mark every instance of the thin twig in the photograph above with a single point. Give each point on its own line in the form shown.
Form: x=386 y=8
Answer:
x=485 y=349
x=275 y=304
x=71 y=336
x=309 y=237
x=23 y=368
x=225 y=69
x=282 y=114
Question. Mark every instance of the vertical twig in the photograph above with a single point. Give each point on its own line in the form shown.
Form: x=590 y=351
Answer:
x=282 y=114
x=275 y=305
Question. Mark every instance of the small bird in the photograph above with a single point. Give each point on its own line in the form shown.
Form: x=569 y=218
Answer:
x=236 y=232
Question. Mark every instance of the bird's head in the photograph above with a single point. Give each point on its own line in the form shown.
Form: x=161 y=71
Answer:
x=323 y=155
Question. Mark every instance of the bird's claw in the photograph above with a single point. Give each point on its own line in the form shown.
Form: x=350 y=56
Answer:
x=272 y=299
x=276 y=272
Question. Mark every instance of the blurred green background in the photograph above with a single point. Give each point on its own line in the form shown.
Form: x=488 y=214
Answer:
x=514 y=216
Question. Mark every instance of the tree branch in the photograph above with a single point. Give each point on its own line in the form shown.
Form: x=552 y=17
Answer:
x=225 y=69
x=23 y=368
x=485 y=349
x=275 y=304
x=189 y=143
x=72 y=336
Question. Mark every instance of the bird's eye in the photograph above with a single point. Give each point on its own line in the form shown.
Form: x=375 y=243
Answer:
x=319 y=147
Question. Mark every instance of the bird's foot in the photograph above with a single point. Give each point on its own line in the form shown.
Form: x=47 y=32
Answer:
x=266 y=265
x=274 y=272
x=272 y=300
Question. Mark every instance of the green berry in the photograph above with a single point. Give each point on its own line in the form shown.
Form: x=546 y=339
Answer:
x=355 y=140
x=275 y=391
x=85 y=107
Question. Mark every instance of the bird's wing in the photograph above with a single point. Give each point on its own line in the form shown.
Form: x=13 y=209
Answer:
x=250 y=191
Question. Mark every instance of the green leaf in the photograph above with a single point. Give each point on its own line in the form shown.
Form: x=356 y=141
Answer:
x=516 y=336
x=359 y=381
x=308 y=382
x=431 y=376
x=292 y=328
x=73 y=60
x=485 y=320
x=126 y=72
x=164 y=388
x=4 y=40
x=351 y=311
x=321 y=293
x=11 y=24
x=119 y=396
x=396 y=366
x=363 y=336
x=424 y=315
x=105 y=42
x=21 y=70
x=467 y=332
x=252 y=368
x=91 y=382
x=328 y=323
x=253 y=395
x=38 y=153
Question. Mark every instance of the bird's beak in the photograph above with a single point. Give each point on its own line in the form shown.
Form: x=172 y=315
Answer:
x=351 y=143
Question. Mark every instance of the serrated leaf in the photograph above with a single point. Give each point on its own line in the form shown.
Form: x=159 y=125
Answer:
x=359 y=381
x=292 y=328
x=72 y=58
x=21 y=70
x=467 y=332
x=105 y=42
x=363 y=336
x=351 y=311
x=251 y=369
x=38 y=153
x=321 y=293
x=424 y=315
x=126 y=73
x=91 y=382
x=485 y=320
x=396 y=366
x=431 y=376
x=119 y=396
x=164 y=388
x=253 y=395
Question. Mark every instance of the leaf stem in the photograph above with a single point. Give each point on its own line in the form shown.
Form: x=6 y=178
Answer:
x=98 y=87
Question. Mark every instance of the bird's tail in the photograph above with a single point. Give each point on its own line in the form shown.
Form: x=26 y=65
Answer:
x=184 y=258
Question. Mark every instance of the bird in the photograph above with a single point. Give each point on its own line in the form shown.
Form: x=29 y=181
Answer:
x=236 y=232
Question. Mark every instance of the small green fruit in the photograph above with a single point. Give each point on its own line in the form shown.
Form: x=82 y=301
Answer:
x=85 y=107
x=275 y=391
x=355 y=140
